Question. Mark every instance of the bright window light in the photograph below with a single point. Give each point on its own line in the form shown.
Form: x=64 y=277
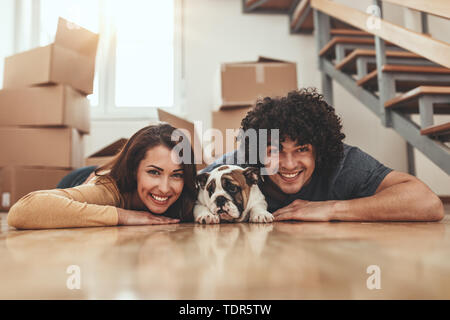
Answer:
x=137 y=47
x=144 y=53
x=82 y=12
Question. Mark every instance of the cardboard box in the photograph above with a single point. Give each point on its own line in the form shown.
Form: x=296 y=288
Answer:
x=241 y=84
x=16 y=182
x=181 y=123
x=228 y=119
x=47 y=147
x=58 y=105
x=105 y=154
x=69 y=60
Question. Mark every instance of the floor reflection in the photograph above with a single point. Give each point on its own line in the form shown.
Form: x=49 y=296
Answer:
x=283 y=260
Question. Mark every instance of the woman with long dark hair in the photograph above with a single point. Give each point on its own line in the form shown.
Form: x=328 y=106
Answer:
x=148 y=182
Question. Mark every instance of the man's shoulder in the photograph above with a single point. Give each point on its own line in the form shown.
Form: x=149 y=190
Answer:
x=358 y=174
x=356 y=158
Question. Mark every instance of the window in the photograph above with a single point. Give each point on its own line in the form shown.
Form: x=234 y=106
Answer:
x=137 y=59
x=144 y=53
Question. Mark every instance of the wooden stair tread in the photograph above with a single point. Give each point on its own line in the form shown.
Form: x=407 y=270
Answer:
x=349 y=32
x=415 y=69
x=404 y=69
x=367 y=78
x=412 y=94
x=337 y=40
x=347 y=40
x=371 y=53
x=436 y=130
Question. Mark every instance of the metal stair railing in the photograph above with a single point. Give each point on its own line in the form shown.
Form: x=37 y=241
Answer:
x=436 y=151
x=328 y=14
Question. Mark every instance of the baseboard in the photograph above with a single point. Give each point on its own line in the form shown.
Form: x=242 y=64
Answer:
x=445 y=199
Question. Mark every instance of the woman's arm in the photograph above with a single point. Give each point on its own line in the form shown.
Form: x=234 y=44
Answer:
x=82 y=206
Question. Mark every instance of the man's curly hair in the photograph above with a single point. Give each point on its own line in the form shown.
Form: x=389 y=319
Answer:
x=303 y=116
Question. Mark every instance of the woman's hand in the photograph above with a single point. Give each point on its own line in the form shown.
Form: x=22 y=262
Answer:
x=136 y=218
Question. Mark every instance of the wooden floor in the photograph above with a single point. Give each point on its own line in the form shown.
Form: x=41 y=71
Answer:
x=229 y=261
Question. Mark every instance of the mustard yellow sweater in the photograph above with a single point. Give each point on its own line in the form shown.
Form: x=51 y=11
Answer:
x=88 y=205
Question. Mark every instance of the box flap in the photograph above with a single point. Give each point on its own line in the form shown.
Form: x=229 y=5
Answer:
x=111 y=149
x=181 y=123
x=262 y=59
x=177 y=122
x=74 y=37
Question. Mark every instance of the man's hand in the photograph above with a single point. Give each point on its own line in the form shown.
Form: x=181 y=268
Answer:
x=306 y=211
x=136 y=218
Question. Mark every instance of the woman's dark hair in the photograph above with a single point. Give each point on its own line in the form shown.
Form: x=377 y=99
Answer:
x=122 y=170
x=303 y=116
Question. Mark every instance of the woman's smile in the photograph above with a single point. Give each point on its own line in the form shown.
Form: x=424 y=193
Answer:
x=161 y=200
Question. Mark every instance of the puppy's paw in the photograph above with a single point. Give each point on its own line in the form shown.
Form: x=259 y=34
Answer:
x=261 y=217
x=207 y=218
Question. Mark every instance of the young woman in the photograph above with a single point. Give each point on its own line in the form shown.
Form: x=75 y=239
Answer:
x=144 y=184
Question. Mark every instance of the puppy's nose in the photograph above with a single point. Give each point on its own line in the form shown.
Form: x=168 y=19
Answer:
x=220 y=201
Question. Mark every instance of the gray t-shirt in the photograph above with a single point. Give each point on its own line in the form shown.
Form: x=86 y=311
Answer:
x=358 y=175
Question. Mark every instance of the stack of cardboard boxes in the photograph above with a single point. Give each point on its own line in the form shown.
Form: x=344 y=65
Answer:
x=241 y=85
x=44 y=112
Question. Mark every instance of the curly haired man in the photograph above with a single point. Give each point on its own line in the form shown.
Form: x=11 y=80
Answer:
x=319 y=178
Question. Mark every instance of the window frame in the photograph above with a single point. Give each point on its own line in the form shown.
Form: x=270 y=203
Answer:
x=106 y=62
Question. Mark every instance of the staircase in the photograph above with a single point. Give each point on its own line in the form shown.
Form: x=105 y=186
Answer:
x=393 y=71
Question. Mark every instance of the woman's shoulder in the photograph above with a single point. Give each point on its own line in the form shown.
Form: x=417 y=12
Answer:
x=103 y=186
x=106 y=182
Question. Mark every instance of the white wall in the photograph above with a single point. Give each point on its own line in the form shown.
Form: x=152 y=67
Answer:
x=104 y=132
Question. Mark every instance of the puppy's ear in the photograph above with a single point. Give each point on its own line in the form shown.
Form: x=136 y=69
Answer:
x=201 y=179
x=251 y=174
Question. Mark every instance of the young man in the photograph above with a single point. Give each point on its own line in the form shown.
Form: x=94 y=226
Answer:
x=319 y=178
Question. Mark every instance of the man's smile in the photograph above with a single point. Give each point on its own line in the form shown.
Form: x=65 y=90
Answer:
x=291 y=176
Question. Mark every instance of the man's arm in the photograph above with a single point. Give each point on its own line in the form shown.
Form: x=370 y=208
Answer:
x=399 y=197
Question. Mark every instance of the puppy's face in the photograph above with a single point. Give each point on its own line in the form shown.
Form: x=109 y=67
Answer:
x=226 y=191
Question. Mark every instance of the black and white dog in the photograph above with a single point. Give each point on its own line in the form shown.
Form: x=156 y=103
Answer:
x=230 y=193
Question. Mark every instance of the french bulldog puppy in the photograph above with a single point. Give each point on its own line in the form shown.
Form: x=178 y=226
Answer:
x=230 y=193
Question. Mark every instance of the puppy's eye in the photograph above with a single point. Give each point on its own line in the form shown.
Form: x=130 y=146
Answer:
x=232 y=188
x=211 y=189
